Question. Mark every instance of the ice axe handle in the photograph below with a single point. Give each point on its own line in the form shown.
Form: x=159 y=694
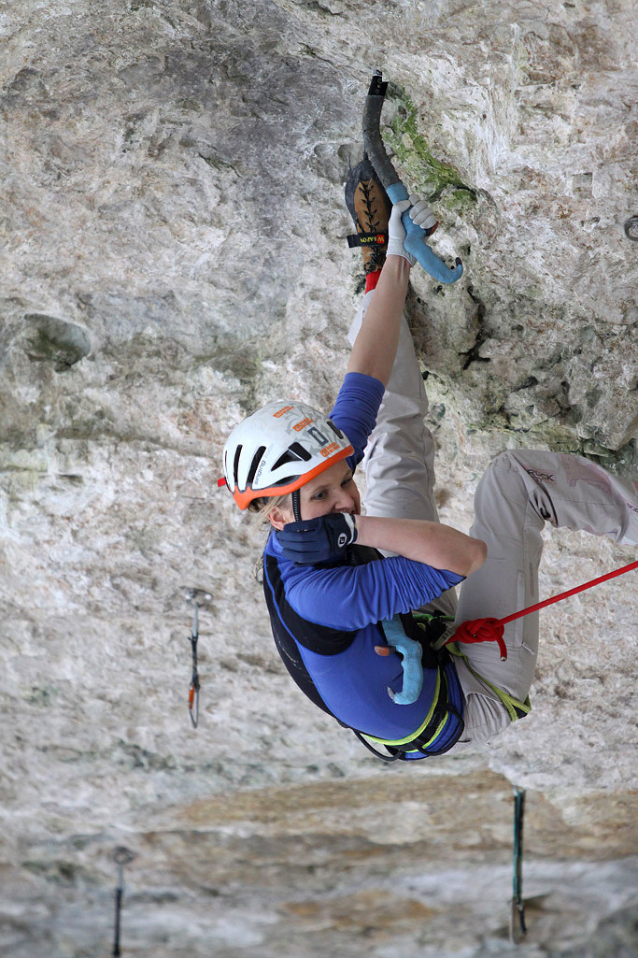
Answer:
x=415 y=243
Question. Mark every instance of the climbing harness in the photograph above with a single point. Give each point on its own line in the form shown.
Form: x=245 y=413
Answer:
x=443 y=725
x=373 y=146
x=122 y=856
x=423 y=743
x=491 y=630
x=518 y=929
x=515 y=708
x=192 y=598
x=437 y=726
x=477 y=630
x=411 y=652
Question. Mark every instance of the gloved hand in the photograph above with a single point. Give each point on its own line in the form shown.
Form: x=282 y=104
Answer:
x=420 y=213
x=317 y=540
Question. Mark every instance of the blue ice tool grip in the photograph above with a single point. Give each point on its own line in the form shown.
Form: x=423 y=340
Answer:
x=412 y=668
x=415 y=244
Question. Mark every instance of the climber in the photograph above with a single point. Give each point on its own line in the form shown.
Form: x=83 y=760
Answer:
x=352 y=596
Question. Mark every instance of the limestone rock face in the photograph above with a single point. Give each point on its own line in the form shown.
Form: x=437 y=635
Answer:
x=172 y=257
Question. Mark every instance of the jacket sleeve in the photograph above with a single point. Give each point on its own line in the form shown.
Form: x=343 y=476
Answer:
x=351 y=597
x=355 y=410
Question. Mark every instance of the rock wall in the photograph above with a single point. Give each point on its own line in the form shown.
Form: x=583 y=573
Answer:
x=173 y=256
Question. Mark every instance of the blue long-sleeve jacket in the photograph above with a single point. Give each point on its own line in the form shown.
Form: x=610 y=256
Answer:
x=326 y=619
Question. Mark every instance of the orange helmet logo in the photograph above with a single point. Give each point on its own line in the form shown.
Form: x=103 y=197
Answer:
x=301 y=425
x=328 y=451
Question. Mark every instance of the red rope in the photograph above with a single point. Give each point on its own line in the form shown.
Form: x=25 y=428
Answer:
x=566 y=595
x=491 y=630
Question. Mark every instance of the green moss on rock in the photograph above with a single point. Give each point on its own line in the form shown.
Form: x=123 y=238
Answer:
x=423 y=172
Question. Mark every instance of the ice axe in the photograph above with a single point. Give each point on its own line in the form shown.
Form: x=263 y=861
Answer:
x=373 y=145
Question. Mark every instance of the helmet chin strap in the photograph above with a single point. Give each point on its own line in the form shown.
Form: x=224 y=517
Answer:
x=296 y=505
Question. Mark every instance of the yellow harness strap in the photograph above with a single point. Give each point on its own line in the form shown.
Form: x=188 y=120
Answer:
x=516 y=709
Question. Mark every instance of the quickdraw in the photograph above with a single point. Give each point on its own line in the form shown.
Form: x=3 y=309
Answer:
x=192 y=598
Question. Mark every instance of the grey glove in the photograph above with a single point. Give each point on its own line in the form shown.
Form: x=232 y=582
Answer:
x=420 y=213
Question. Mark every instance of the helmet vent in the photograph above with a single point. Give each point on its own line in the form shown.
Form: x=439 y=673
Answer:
x=254 y=466
x=335 y=429
x=236 y=465
x=294 y=453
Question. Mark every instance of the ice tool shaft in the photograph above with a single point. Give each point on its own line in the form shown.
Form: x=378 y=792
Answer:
x=414 y=242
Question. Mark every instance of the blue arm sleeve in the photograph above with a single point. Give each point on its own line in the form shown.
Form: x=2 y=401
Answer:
x=355 y=410
x=351 y=597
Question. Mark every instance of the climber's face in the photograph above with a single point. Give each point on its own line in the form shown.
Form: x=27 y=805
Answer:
x=331 y=491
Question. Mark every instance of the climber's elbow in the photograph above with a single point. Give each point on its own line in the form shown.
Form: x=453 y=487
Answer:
x=477 y=556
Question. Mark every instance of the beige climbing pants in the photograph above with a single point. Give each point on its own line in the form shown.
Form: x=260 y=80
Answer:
x=519 y=492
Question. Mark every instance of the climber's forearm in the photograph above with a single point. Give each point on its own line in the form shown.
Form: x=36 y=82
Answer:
x=433 y=543
x=375 y=347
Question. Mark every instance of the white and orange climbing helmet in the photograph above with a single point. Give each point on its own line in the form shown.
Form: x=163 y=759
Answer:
x=280 y=448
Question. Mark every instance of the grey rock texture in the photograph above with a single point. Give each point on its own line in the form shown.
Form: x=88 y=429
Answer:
x=173 y=256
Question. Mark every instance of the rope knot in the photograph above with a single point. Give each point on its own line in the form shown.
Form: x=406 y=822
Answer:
x=491 y=630
x=482 y=630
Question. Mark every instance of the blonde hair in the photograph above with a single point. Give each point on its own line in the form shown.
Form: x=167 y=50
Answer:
x=261 y=509
x=263 y=506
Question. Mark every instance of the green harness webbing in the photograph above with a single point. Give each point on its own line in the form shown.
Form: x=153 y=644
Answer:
x=516 y=710
x=433 y=626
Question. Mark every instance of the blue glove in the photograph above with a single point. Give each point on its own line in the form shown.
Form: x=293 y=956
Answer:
x=318 y=540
